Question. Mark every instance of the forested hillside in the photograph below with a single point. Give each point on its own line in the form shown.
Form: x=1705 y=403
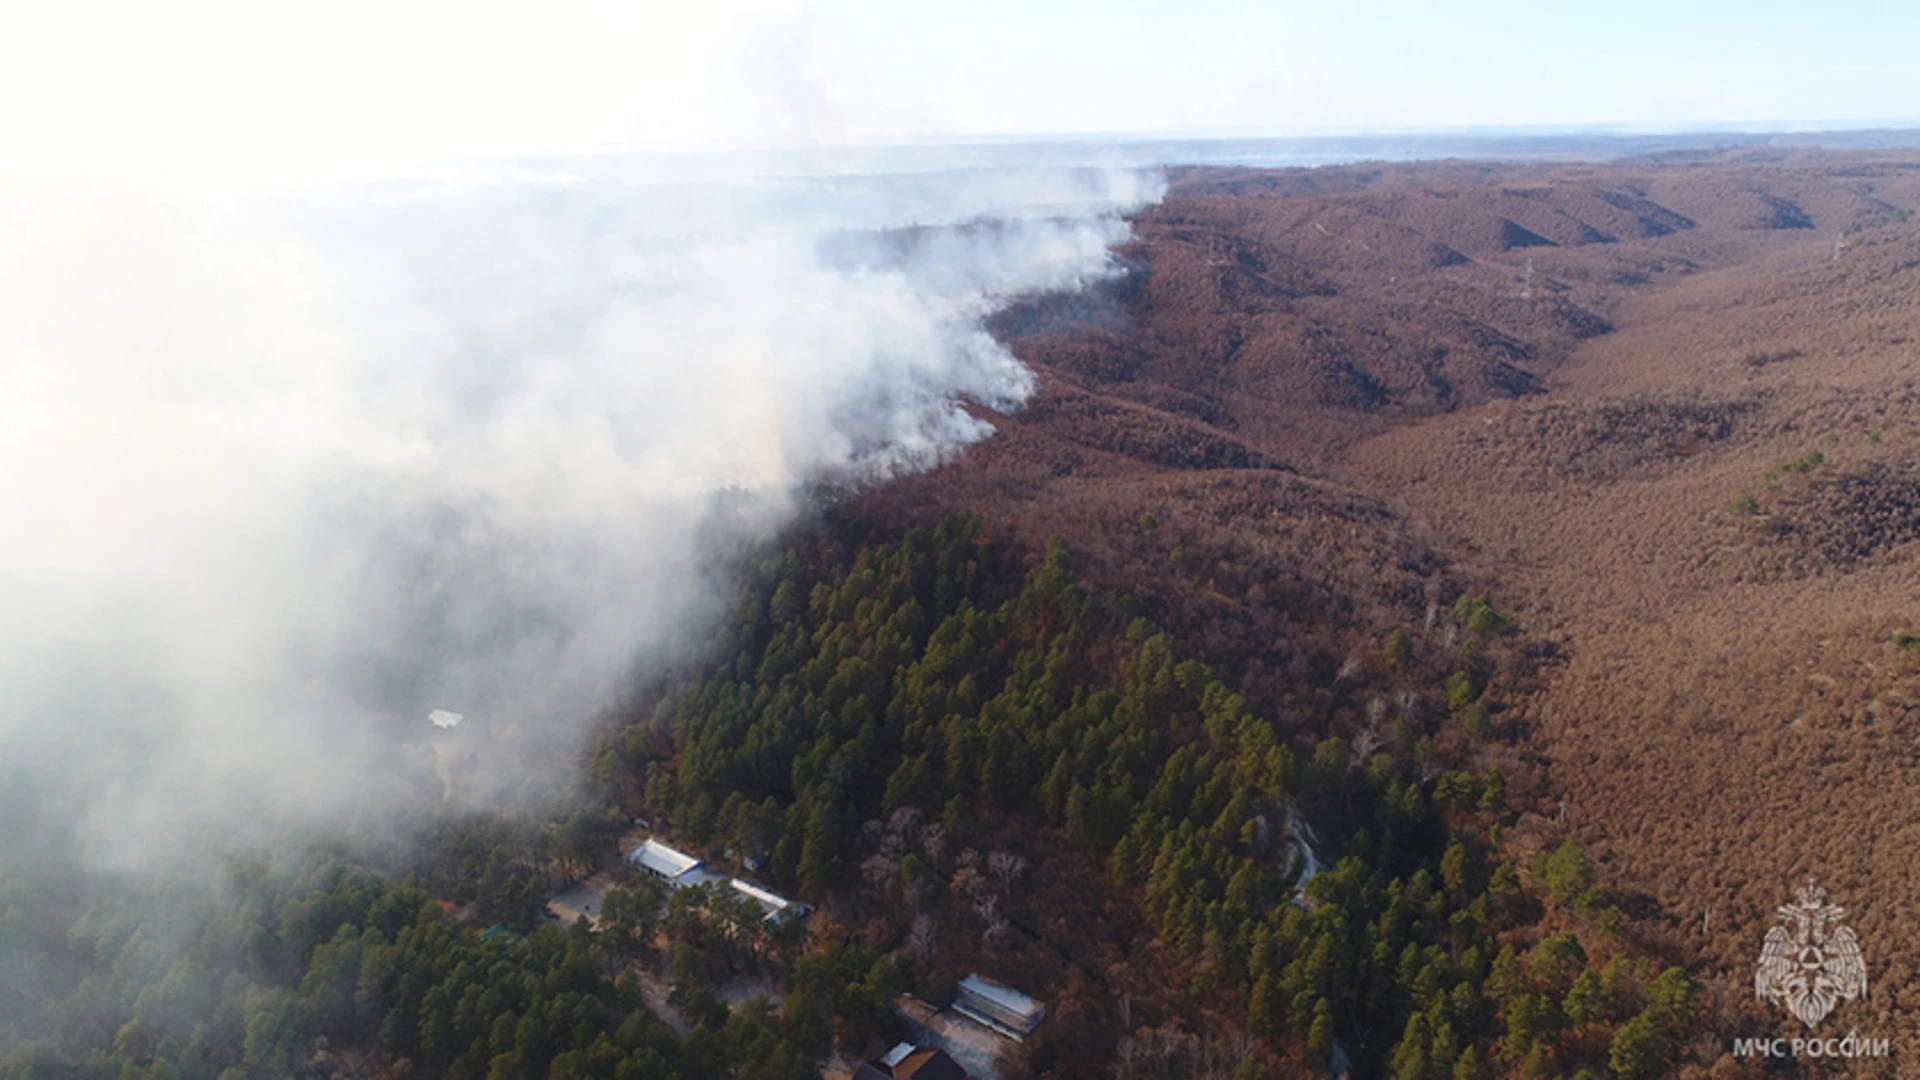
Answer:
x=968 y=765
x=871 y=729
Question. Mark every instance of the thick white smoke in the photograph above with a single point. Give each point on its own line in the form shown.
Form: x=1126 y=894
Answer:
x=277 y=477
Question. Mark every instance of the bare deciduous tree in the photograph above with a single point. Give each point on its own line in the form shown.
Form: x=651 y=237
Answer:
x=1168 y=1053
x=1364 y=744
x=969 y=876
x=880 y=872
x=987 y=907
x=904 y=820
x=1225 y=1052
x=920 y=937
x=995 y=932
x=969 y=882
x=1350 y=668
x=1006 y=868
x=933 y=842
x=1409 y=702
x=1155 y=1054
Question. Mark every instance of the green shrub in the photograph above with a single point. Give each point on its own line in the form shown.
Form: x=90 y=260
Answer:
x=1806 y=462
x=1475 y=724
x=1398 y=648
x=1481 y=618
x=1460 y=691
x=1568 y=877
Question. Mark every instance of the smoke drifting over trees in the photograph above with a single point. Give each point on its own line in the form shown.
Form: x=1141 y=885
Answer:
x=280 y=476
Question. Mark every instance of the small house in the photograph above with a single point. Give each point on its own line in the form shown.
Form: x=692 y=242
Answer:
x=909 y=1062
x=928 y=1065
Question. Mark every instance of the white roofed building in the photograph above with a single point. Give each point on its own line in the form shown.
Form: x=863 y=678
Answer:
x=676 y=868
x=777 y=907
x=1002 y=1008
x=683 y=871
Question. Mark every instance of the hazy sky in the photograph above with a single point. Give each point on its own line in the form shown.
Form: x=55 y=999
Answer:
x=1007 y=65
x=358 y=85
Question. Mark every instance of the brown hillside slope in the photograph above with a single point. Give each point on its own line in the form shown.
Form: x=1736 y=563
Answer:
x=1188 y=431
x=1321 y=398
x=1715 y=511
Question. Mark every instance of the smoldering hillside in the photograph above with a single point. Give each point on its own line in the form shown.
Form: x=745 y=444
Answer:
x=281 y=476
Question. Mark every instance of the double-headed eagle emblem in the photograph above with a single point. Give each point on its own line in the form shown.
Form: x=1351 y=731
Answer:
x=1810 y=962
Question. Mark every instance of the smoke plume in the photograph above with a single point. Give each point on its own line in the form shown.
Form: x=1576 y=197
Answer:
x=280 y=475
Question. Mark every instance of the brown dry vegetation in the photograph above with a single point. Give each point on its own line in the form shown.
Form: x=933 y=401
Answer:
x=1684 y=444
x=1734 y=712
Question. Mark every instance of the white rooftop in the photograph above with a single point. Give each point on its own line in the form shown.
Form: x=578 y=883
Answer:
x=898 y=1054
x=773 y=902
x=662 y=859
x=699 y=875
x=1004 y=996
x=444 y=719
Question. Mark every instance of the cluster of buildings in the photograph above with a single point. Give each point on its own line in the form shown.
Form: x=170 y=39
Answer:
x=680 y=870
x=993 y=1005
x=978 y=1002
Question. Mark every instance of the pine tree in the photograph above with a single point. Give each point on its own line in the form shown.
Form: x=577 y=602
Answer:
x=1410 y=1055
x=1264 y=1015
x=1320 y=1032
x=1250 y=1069
x=1586 y=1001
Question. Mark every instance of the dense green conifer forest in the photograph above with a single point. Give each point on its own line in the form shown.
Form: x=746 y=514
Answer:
x=966 y=762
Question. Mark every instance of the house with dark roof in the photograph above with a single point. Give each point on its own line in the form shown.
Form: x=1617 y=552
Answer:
x=929 y=1064
x=909 y=1062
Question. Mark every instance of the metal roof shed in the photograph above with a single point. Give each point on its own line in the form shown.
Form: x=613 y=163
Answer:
x=660 y=859
x=999 y=1007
